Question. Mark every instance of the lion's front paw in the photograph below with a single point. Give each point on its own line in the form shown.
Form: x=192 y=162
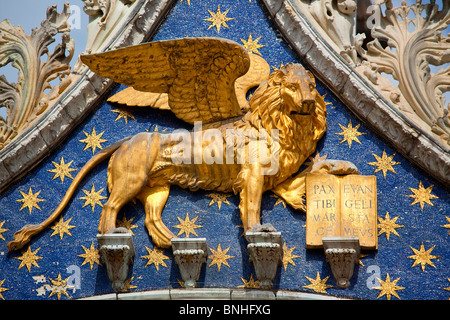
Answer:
x=338 y=167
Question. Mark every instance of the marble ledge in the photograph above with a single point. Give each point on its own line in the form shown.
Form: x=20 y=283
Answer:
x=214 y=294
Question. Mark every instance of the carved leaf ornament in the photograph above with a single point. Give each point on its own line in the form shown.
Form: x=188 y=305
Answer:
x=407 y=53
x=26 y=100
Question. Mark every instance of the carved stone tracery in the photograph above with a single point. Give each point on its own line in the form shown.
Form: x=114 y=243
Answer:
x=398 y=45
x=412 y=45
x=373 y=105
x=28 y=99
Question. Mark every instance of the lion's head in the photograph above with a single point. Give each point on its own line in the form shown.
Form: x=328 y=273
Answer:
x=289 y=101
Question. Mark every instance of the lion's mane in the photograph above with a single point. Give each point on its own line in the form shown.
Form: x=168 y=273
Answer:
x=297 y=139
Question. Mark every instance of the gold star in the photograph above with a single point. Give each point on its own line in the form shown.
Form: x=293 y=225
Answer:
x=30 y=200
x=93 y=140
x=349 y=133
x=447 y=289
x=423 y=257
x=2 y=289
x=388 y=288
x=317 y=284
x=279 y=200
x=127 y=285
x=219 y=198
x=127 y=224
x=188 y=1
x=62 y=170
x=93 y=197
x=443 y=226
x=29 y=258
x=317 y=158
x=252 y=45
x=360 y=257
x=2 y=230
x=155 y=257
x=90 y=256
x=218 y=257
x=123 y=114
x=250 y=283
x=384 y=163
x=288 y=256
x=243 y=231
x=422 y=195
x=59 y=286
x=388 y=225
x=187 y=226
x=62 y=227
x=218 y=19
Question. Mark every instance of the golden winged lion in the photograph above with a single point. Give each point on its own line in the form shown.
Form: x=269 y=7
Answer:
x=204 y=80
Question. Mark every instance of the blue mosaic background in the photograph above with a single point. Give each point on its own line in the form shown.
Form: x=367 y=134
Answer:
x=221 y=226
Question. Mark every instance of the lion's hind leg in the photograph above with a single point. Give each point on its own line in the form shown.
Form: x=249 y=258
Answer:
x=154 y=200
x=127 y=175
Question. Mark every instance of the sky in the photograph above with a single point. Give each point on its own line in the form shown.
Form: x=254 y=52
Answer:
x=29 y=14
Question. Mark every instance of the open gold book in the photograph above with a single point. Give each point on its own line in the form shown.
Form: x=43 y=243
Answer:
x=341 y=206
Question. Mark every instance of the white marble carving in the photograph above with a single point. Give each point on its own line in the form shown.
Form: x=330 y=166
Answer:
x=106 y=18
x=374 y=104
x=31 y=146
x=26 y=100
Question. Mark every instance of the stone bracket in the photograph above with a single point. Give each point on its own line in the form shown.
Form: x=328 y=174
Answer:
x=265 y=251
x=342 y=255
x=116 y=250
x=189 y=254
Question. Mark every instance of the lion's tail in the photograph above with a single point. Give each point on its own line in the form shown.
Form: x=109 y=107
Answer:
x=23 y=236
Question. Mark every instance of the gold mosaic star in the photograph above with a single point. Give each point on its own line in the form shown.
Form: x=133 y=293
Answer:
x=90 y=256
x=218 y=257
x=219 y=198
x=288 y=256
x=62 y=227
x=218 y=19
x=250 y=283
x=155 y=257
x=62 y=170
x=2 y=289
x=252 y=45
x=384 y=163
x=447 y=289
x=349 y=133
x=388 y=225
x=93 y=140
x=422 y=257
x=317 y=284
x=316 y=159
x=388 y=288
x=59 y=286
x=360 y=257
x=188 y=1
x=187 y=226
x=92 y=197
x=29 y=258
x=127 y=285
x=2 y=230
x=279 y=200
x=123 y=114
x=422 y=195
x=243 y=231
x=127 y=224
x=30 y=200
x=443 y=226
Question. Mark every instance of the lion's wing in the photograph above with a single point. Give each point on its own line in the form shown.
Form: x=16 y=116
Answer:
x=258 y=72
x=198 y=74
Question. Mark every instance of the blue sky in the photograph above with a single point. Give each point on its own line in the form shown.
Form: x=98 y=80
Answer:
x=29 y=14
